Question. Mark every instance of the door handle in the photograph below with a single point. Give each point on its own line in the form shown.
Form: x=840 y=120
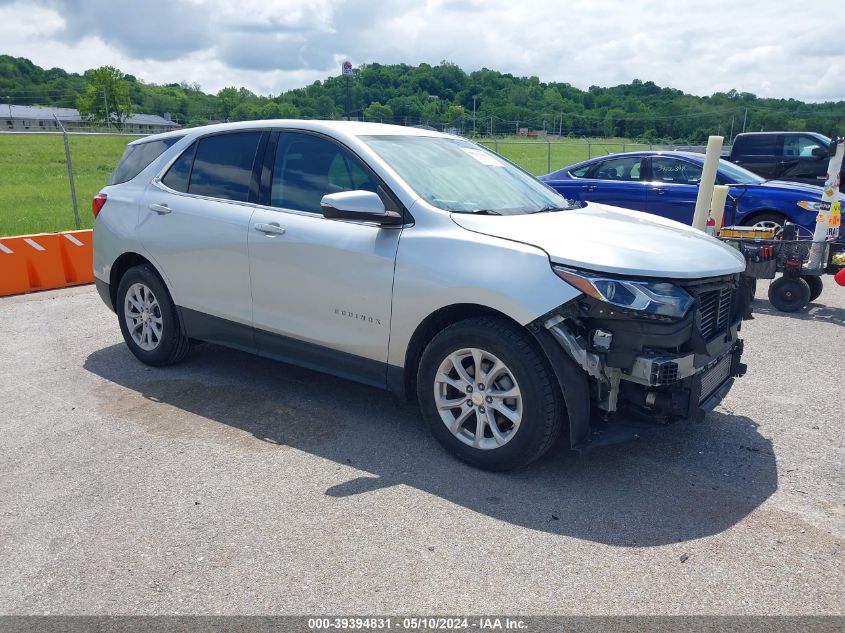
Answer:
x=161 y=209
x=589 y=187
x=269 y=230
x=659 y=190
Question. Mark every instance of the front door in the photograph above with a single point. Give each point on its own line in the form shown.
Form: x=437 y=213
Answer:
x=674 y=188
x=321 y=288
x=800 y=163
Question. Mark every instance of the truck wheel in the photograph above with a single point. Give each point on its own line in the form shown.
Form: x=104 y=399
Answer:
x=489 y=394
x=789 y=294
x=816 y=285
x=148 y=319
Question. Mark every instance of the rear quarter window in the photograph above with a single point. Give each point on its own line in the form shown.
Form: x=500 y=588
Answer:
x=758 y=145
x=138 y=156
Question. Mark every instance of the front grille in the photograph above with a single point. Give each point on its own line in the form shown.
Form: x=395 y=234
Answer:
x=714 y=311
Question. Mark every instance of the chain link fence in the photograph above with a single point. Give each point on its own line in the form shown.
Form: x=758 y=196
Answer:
x=542 y=156
x=46 y=177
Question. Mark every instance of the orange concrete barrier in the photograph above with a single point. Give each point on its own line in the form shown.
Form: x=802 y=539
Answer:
x=78 y=257
x=45 y=261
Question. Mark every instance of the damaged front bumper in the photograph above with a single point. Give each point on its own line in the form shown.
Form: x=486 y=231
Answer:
x=643 y=373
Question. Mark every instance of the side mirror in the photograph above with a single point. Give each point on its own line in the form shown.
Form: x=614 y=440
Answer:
x=820 y=152
x=364 y=206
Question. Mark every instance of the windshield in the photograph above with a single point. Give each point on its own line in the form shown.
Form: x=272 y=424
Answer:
x=462 y=177
x=738 y=175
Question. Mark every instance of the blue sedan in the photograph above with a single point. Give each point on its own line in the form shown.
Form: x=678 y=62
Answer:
x=666 y=184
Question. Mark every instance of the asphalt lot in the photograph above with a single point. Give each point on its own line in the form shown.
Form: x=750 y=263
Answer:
x=232 y=484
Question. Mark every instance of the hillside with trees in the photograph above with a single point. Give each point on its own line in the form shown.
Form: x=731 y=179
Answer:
x=441 y=96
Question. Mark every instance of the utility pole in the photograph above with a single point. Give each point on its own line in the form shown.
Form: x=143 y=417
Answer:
x=560 y=132
x=106 y=103
x=491 y=126
x=731 y=135
x=474 y=97
x=744 y=119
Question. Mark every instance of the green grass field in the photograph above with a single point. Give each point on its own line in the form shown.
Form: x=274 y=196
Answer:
x=35 y=195
x=34 y=190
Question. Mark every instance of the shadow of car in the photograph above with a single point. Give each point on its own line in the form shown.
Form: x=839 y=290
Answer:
x=681 y=483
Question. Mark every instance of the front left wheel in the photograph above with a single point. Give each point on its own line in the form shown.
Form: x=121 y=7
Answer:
x=489 y=394
x=148 y=318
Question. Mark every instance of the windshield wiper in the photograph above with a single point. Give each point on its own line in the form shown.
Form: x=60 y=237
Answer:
x=550 y=207
x=481 y=212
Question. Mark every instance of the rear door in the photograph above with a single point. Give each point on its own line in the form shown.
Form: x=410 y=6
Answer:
x=673 y=188
x=760 y=153
x=321 y=288
x=194 y=223
x=615 y=181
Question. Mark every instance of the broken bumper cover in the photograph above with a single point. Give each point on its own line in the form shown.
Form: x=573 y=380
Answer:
x=696 y=395
x=654 y=388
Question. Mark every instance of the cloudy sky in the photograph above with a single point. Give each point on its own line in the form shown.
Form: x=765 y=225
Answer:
x=775 y=48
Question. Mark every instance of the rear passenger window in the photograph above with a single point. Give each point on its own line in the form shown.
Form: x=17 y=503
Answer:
x=627 y=168
x=222 y=167
x=137 y=157
x=308 y=167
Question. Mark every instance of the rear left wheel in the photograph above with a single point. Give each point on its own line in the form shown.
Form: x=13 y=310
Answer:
x=148 y=318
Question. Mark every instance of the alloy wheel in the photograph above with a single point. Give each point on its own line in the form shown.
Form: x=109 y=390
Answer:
x=478 y=398
x=143 y=317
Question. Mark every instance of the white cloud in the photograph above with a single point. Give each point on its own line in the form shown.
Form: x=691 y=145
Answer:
x=771 y=48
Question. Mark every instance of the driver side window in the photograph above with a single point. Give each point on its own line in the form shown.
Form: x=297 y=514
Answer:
x=674 y=171
x=308 y=167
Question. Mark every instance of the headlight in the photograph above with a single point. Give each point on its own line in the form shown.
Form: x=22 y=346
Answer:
x=650 y=297
x=810 y=205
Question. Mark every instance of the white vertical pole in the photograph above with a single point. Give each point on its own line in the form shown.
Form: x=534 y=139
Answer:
x=708 y=179
x=717 y=205
x=824 y=230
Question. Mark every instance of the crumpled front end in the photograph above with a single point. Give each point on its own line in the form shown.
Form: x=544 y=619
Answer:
x=647 y=369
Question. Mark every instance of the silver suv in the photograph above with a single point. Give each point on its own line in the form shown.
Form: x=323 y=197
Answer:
x=424 y=264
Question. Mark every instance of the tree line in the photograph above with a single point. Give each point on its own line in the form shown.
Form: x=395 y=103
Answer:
x=442 y=96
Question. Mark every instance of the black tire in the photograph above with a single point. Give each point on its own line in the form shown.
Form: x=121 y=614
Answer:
x=173 y=345
x=789 y=294
x=816 y=285
x=542 y=403
x=769 y=216
x=753 y=290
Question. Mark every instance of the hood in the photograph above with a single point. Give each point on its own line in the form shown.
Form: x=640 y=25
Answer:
x=609 y=239
x=810 y=192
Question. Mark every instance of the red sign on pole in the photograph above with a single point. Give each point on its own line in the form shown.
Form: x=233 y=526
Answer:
x=347 y=69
